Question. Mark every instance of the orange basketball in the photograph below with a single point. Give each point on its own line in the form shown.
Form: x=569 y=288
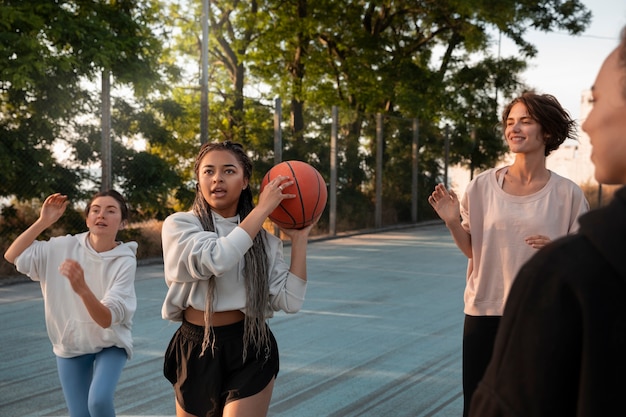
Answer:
x=310 y=190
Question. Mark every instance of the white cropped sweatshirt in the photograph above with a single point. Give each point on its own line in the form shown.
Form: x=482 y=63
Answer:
x=192 y=255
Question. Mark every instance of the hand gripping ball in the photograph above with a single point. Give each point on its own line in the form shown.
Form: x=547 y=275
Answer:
x=310 y=190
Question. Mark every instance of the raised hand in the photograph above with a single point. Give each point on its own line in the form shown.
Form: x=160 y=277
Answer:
x=297 y=233
x=445 y=203
x=272 y=194
x=53 y=208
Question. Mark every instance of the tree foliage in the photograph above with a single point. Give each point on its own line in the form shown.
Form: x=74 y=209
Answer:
x=406 y=60
x=55 y=53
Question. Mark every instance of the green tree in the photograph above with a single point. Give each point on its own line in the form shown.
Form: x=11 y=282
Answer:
x=406 y=59
x=56 y=50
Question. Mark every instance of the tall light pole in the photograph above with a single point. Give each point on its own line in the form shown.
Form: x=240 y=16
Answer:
x=105 y=157
x=446 y=158
x=204 y=84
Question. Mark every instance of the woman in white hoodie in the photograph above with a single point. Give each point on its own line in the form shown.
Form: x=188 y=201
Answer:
x=88 y=286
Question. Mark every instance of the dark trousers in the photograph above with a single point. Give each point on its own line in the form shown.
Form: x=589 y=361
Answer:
x=479 y=335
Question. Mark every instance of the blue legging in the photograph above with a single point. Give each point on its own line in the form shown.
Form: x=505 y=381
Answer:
x=89 y=381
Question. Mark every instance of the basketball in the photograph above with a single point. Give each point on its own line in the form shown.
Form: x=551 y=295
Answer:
x=310 y=190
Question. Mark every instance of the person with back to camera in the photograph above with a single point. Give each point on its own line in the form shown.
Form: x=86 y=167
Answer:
x=88 y=286
x=560 y=350
x=506 y=215
x=226 y=275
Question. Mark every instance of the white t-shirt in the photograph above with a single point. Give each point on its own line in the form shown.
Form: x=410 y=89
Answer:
x=111 y=277
x=498 y=224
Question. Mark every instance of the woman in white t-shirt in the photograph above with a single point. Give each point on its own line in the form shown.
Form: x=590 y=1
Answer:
x=506 y=214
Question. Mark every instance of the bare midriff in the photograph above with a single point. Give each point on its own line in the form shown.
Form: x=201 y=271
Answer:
x=220 y=318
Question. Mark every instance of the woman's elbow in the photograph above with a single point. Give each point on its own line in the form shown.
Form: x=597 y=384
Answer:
x=292 y=309
x=105 y=324
x=9 y=257
x=289 y=306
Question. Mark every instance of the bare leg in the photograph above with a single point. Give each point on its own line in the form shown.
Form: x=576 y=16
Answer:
x=254 y=406
x=182 y=413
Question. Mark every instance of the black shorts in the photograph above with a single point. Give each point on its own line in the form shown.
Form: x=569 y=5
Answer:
x=204 y=385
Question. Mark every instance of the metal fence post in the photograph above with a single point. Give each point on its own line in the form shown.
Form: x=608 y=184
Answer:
x=332 y=191
x=414 y=170
x=378 y=220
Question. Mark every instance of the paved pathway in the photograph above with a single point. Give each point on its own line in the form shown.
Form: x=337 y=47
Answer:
x=379 y=335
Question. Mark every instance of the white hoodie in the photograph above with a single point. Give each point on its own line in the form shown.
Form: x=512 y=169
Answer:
x=192 y=255
x=111 y=277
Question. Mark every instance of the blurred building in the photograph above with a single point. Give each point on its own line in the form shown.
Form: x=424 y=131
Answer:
x=573 y=158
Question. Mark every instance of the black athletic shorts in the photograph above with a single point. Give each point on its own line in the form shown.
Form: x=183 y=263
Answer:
x=204 y=385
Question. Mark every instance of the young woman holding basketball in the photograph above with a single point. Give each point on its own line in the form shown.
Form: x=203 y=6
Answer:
x=225 y=276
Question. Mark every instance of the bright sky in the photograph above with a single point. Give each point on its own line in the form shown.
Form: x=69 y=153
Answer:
x=567 y=65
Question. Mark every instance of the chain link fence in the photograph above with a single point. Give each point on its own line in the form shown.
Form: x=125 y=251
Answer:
x=389 y=192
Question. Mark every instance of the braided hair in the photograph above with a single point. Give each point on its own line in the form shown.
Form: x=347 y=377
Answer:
x=255 y=259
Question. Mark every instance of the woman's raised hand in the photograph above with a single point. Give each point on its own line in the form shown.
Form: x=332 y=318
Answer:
x=273 y=194
x=53 y=208
x=445 y=203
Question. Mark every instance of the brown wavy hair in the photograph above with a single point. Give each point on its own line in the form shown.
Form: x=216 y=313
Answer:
x=556 y=123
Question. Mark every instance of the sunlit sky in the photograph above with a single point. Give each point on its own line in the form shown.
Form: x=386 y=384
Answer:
x=567 y=65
